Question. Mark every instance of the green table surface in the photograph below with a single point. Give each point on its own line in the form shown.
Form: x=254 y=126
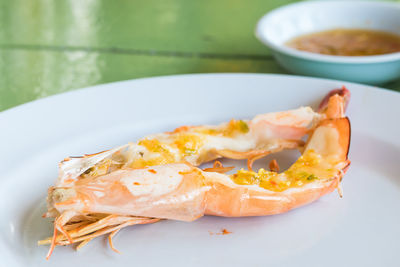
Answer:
x=48 y=47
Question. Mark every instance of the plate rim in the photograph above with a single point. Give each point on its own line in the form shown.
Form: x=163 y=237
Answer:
x=188 y=75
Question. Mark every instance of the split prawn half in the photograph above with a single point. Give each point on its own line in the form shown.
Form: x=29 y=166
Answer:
x=157 y=177
x=236 y=139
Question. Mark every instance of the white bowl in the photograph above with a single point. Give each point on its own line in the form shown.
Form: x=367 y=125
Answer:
x=282 y=24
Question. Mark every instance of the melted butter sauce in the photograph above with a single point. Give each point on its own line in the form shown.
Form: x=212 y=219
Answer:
x=162 y=152
x=347 y=42
x=231 y=129
x=188 y=144
x=183 y=142
x=308 y=168
x=187 y=140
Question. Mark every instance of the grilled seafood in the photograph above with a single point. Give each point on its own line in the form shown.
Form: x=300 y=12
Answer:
x=237 y=139
x=91 y=205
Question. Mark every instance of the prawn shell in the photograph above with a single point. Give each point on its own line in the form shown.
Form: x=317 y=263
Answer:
x=173 y=191
x=225 y=198
x=227 y=201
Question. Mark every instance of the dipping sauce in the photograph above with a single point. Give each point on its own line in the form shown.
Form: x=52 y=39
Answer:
x=347 y=42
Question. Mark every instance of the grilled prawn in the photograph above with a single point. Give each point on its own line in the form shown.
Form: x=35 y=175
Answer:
x=111 y=196
x=237 y=139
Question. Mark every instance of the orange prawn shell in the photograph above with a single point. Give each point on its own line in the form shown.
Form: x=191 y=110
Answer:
x=225 y=198
x=228 y=201
x=107 y=194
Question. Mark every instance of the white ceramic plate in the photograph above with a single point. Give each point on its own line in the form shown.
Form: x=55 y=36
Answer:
x=361 y=229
